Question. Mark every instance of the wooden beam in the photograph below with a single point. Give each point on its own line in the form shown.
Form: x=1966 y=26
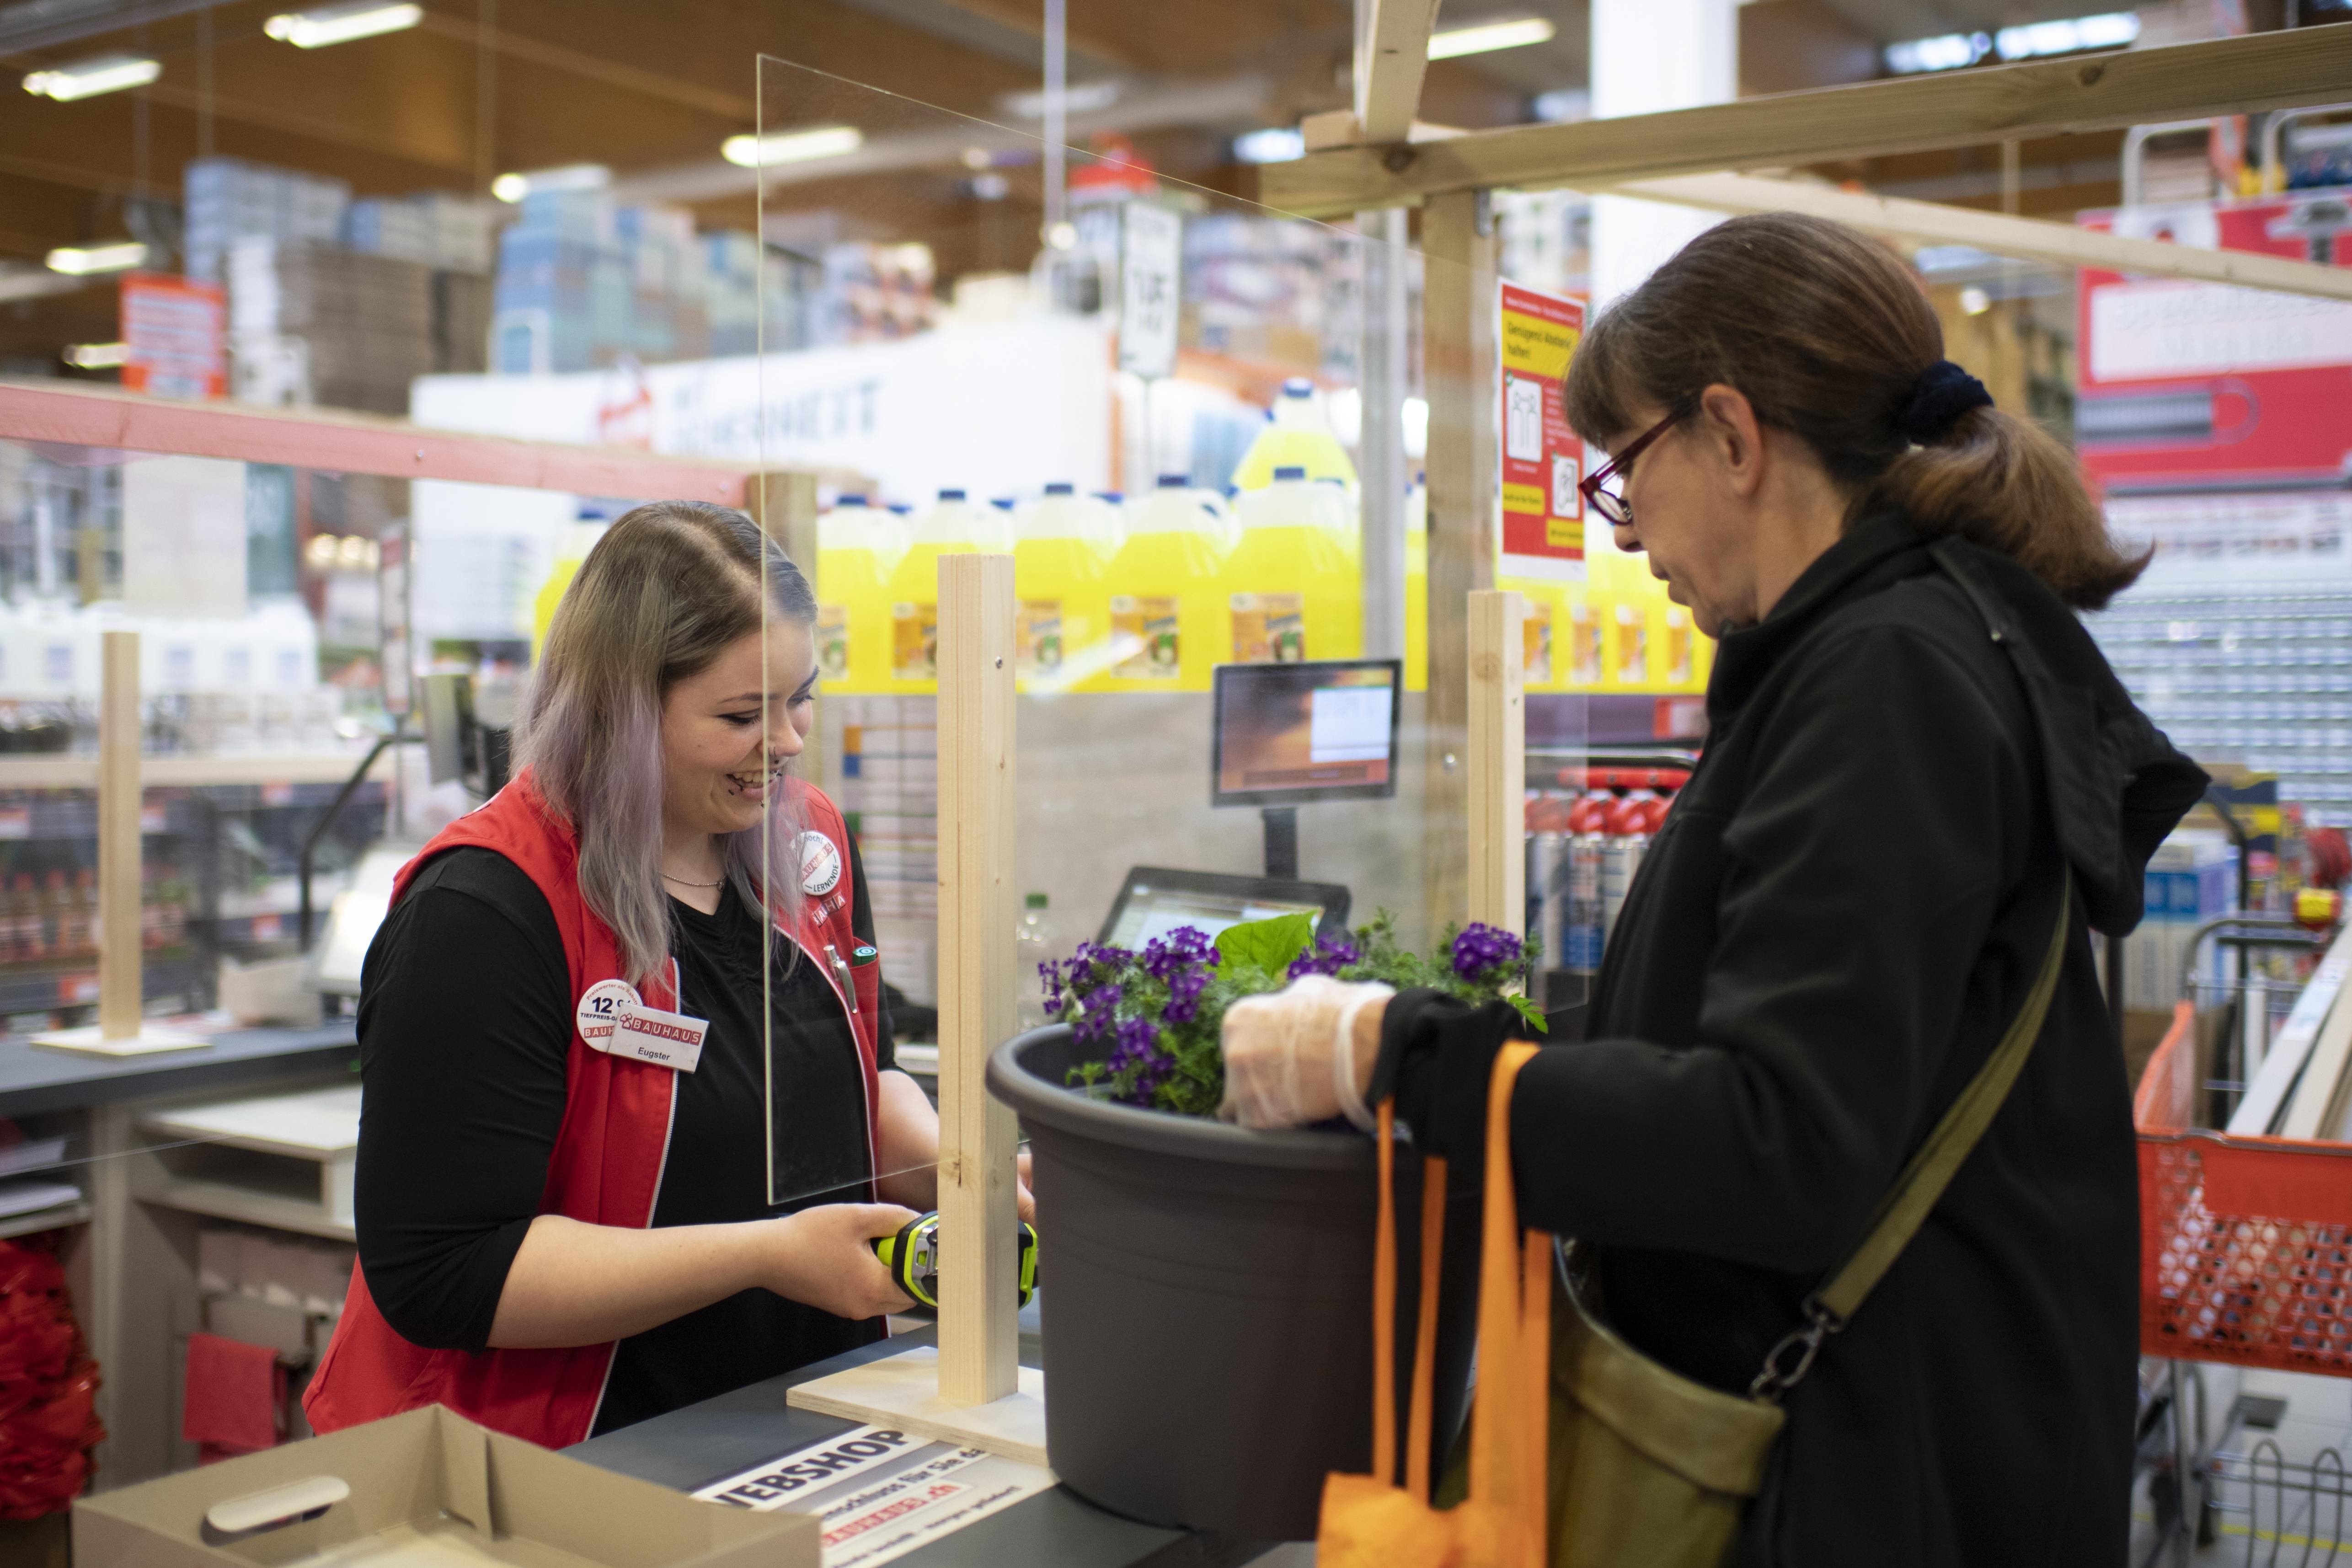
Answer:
x=1461 y=355
x=596 y=69
x=1497 y=759
x=350 y=444
x=1955 y=108
x=2032 y=239
x=978 y=1290
x=1391 y=58
x=120 y=1007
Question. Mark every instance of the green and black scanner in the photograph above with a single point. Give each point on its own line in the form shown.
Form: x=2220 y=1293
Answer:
x=912 y=1256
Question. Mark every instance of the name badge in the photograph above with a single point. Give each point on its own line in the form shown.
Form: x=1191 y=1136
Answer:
x=667 y=1040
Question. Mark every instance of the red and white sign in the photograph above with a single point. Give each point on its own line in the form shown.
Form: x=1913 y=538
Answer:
x=176 y=330
x=1543 y=459
x=2180 y=381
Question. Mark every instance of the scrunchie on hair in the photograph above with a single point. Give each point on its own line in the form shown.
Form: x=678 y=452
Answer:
x=1942 y=394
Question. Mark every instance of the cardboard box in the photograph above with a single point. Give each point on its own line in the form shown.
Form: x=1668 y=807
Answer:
x=431 y=1489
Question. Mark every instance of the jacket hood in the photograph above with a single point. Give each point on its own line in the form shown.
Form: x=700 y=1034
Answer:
x=2116 y=786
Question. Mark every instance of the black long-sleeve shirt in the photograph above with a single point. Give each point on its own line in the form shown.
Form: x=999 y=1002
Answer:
x=465 y=1026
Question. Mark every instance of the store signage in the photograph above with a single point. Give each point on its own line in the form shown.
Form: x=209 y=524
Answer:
x=1150 y=272
x=2225 y=538
x=2180 y=381
x=184 y=536
x=1543 y=459
x=177 y=333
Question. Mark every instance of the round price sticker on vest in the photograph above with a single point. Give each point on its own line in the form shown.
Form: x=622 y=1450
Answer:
x=600 y=1008
x=665 y=1039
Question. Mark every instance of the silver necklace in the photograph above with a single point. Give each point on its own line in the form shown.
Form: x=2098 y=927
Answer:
x=686 y=882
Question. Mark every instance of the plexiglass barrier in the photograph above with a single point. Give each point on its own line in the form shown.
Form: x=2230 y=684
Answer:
x=1201 y=429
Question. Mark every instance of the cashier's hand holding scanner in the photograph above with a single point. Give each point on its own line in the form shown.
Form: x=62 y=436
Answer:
x=588 y=1000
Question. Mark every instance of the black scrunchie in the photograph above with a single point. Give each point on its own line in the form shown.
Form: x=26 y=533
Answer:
x=1942 y=394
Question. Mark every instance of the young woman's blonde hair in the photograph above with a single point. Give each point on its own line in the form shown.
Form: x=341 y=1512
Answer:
x=670 y=585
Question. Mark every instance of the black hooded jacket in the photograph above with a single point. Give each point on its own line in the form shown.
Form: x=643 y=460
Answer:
x=1845 y=907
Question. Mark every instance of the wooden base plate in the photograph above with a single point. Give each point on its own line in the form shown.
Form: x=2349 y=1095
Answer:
x=903 y=1390
x=88 y=1042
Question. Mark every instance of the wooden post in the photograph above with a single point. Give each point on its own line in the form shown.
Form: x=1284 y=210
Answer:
x=977 y=1133
x=1498 y=761
x=119 y=1004
x=1462 y=359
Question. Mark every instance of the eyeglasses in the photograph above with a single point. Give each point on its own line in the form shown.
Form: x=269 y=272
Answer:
x=1612 y=504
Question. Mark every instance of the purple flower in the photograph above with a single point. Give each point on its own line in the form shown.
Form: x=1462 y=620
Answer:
x=1328 y=957
x=1091 y=955
x=1184 y=996
x=1164 y=956
x=1135 y=1041
x=1095 y=1020
x=1480 y=948
x=1050 y=973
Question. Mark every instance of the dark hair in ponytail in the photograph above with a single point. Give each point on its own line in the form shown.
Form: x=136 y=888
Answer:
x=1828 y=335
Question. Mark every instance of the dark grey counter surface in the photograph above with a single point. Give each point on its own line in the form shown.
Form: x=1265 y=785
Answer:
x=702 y=1443
x=35 y=1080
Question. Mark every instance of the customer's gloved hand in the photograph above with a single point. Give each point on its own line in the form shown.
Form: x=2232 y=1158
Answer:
x=1291 y=1058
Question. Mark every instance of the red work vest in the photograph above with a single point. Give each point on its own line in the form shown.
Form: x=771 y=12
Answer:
x=606 y=1167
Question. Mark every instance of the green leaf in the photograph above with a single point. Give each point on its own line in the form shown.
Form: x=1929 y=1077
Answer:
x=1531 y=1013
x=1268 y=944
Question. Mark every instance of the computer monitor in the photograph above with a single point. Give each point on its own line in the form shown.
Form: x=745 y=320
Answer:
x=1290 y=735
x=1157 y=900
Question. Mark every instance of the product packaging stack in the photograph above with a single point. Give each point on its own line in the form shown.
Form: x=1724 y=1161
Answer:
x=319 y=324
x=891 y=791
x=228 y=199
x=447 y=233
x=874 y=293
x=1267 y=288
x=2191 y=879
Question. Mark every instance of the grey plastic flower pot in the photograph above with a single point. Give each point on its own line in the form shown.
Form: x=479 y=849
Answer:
x=1206 y=1293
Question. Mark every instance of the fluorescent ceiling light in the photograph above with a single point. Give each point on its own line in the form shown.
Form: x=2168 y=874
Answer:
x=1952 y=51
x=322 y=24
x=513 y=187
x=1275 y=145
x=1488 y=37
x=88 y=78
x=791 y=146
x=1084 y=98
x=97 y=356
x=81 y=260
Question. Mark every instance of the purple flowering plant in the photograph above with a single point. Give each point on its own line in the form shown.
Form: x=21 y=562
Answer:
x=1158 y=1014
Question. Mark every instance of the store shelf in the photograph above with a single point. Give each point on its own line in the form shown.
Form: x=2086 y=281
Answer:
x=223 y=1200
x=39 y=1220
x=69 y=772
x=39 y=990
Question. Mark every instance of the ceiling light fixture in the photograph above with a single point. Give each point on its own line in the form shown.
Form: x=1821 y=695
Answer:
x=1274 y=144
x=97 y=356
x=322 y=24
x=513 y=187
x=88 y=78
x=791 y=146
x=1488 y=36
x=81 y=260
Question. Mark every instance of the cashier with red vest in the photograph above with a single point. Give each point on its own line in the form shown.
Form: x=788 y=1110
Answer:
x=573 y=1212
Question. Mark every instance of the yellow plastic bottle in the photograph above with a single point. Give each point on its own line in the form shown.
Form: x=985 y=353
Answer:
x=857 y=545
x=1168 y=620
x=1061 y=587
x=571 y=554
x=1289 y=589
x=1298 y=435
x=950 y=526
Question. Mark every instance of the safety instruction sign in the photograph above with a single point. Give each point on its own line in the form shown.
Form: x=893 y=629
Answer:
x=881 y=1491
x=1543 y=513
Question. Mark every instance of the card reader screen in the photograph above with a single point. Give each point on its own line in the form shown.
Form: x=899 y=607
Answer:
x=1304 y=731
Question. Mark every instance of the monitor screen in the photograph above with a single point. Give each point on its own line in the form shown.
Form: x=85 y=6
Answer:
x=1289 y=733
x=1156 y=899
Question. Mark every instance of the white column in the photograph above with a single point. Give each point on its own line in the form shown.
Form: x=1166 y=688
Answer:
x=1647 y=56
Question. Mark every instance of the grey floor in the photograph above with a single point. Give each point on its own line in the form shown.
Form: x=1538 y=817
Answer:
x=2258 y=1521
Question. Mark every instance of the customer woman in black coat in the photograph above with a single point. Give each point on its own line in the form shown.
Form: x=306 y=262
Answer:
x=1909 y=732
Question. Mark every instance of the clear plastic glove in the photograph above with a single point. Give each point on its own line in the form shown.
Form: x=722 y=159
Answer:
x=1290 y=1057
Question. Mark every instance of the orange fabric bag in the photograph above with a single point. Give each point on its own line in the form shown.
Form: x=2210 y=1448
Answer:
x=1371 y=1521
